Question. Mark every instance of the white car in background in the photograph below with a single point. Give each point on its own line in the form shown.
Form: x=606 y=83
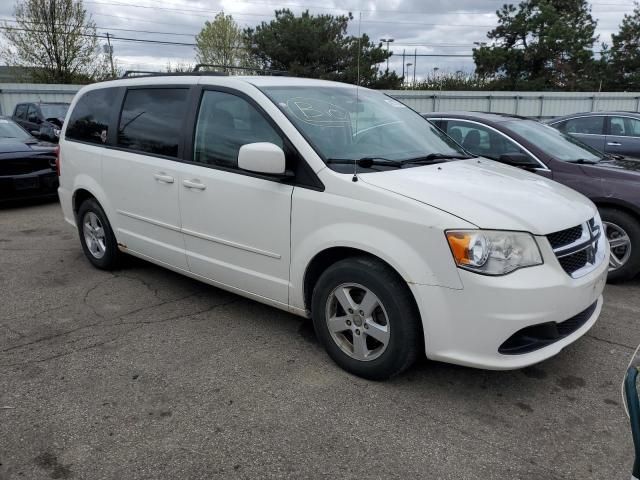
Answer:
x=336 y=203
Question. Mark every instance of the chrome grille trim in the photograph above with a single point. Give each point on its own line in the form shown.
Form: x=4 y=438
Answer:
x=591 y=242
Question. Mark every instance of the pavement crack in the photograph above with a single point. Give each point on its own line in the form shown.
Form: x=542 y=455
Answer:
x=135 y=326
x=610 y=342
x=100 y=323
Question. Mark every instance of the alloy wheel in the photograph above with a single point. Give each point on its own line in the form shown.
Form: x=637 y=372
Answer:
x=94 y=236
x=357 y=321
x=620 y=244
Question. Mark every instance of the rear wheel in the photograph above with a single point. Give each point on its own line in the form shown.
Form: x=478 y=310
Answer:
x=365 y=316
x=96 y=236
x=623 y=233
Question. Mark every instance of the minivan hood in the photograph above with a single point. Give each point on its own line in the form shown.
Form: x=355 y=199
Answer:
x=490 y=195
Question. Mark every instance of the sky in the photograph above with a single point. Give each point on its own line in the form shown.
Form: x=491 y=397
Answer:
x=443 y=27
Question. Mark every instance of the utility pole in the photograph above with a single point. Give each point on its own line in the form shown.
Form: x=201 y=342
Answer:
x=403 y=79
x=415 y=61
x=110 y=48
x=387 y=41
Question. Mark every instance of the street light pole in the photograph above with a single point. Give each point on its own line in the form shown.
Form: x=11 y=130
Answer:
x=408 y=65
x=387 y=41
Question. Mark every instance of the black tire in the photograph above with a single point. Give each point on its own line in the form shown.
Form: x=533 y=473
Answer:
x=111 y=257
x=405 y=339
x=632 y=227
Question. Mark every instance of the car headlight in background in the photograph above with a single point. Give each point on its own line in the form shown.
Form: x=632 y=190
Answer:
x=56 y=132
x=493 y=252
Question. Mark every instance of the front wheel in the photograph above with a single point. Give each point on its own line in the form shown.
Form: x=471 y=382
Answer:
x=623 y=233
x=365 y=316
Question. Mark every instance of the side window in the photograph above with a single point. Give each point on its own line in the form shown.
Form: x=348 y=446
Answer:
x=21 y=112
x=225 y=123
x=588 y=125
x=481 y=140
x=152 y=120
x=89 y=120
x=32 y=114
x=625 y=127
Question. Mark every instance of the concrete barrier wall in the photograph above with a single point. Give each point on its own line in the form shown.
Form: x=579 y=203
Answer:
x=540 y=105
x=13 y=93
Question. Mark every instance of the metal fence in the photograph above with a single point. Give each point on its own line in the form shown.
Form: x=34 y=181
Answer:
x=539 y=105
x=13 y=93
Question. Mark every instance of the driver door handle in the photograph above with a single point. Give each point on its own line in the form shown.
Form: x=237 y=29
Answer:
x=614 y=144
x=163 y=177
x=193 y=184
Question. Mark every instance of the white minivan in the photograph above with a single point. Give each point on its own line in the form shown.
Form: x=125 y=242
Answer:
x=336 y=203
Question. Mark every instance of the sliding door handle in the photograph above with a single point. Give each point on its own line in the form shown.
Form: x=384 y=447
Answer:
x=193 y=184
x=163 y=177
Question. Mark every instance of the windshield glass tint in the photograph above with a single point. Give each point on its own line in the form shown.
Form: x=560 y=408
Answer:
x=553 y=142
x=375 y=126
x=9 y=129
x=54 y=111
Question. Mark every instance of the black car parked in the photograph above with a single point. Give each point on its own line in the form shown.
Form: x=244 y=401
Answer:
x=43 y=120
x=610 y=132
x=611 y=182
x=27 y=165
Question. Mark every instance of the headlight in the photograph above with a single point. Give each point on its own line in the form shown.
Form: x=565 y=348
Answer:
x=56 y=132
x=493 y=252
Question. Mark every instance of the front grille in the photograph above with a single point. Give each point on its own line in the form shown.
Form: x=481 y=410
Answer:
x=538 y=336
x=565 y=237
x=24 y=166
x=573 y=263
x=577 y=247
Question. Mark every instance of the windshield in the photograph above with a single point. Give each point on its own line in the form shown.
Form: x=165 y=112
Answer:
x=553 y=142
x=54 y=111
x=377 y=126
x=8 y=129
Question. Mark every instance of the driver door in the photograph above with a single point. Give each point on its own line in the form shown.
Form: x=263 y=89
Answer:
x=236 y=224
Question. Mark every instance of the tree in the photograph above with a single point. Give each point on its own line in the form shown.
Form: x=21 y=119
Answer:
x=317 y=46
x=541 y=44
x=54 y=41
x=624 y=56
x=221 y=42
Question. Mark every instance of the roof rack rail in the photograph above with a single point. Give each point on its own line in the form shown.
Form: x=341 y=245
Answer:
x=199 y=70
x=145 y=73
x=227 y=68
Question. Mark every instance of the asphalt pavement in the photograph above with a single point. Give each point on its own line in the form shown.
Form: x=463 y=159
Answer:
x=145 y=374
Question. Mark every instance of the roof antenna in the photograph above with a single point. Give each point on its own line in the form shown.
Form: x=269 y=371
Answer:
x=355 y=162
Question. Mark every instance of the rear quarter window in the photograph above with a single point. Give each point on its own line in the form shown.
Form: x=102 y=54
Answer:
x=89 y=120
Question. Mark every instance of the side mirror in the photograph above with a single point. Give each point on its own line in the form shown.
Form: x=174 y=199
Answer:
x=518 y=159
x=262 y=157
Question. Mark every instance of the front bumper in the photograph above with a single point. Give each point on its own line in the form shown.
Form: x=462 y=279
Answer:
x=468 y=326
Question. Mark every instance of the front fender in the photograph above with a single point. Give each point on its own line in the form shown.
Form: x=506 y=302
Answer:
x=398 y=236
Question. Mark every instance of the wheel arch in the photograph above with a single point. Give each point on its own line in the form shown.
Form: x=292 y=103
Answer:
x=79 y=197
x=618 y=205
x=329 y=256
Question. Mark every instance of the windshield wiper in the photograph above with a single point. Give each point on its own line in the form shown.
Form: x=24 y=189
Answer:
x=434 y=157
x=366 y=162
x=582 y=161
